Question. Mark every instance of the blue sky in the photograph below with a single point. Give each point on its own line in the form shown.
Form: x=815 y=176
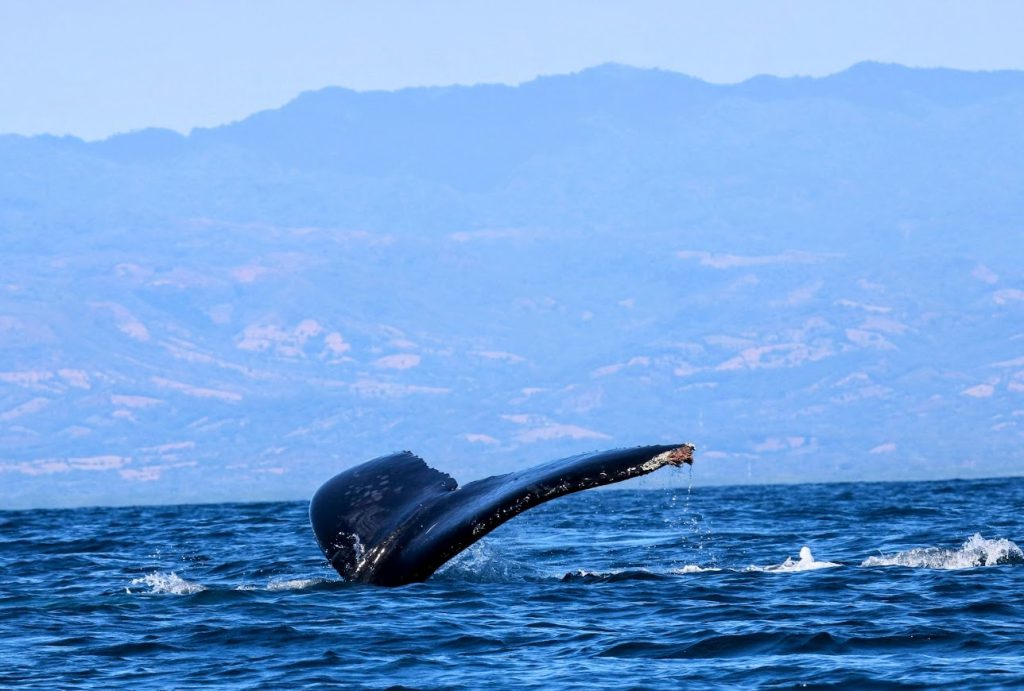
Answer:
x=94 y=68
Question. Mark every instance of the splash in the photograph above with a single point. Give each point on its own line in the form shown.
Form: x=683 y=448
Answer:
x=692 y=527
x=483 y=562
x=165 y=584
x=806 y=562
x=976 y=551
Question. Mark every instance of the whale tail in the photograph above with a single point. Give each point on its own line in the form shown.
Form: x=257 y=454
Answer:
x=395 y=520
x=361 y=507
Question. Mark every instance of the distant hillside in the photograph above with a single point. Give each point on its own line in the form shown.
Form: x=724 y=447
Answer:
x=813 y=279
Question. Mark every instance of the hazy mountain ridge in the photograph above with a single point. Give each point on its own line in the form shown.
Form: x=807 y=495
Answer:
x=811 y=278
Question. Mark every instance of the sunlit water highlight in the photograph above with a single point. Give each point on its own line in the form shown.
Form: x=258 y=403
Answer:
x=903 y=585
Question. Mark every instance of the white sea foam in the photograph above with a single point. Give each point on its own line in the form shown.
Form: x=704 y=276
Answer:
x=806 y=562
x=166 y=584
x=976 y=551
x=282 y=584
x=159 y=583
x=694 y=568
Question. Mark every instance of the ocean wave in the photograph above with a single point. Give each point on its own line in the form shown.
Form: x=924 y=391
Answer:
x=695 y=568
x=976 y=551
x=649 y=611
x=160 y=583
x=806 y=562
x=165 y=584
x=295 y=584
x=584 y=576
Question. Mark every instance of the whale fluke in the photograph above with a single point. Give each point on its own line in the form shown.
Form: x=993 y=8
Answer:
x=395 y=520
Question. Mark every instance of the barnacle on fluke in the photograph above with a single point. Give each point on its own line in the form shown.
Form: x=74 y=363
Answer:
x=395 y=520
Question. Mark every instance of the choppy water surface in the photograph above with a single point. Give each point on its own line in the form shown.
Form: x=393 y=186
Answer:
x=900 y=585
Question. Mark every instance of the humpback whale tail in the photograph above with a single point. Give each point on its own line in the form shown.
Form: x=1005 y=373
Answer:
x=395 y=520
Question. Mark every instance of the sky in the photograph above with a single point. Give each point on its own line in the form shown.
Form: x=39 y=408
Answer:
x=95 y=68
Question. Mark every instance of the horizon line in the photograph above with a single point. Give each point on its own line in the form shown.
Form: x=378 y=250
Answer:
x=782 y=483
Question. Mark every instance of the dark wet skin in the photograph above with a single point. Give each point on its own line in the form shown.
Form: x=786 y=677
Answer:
x=395 y=520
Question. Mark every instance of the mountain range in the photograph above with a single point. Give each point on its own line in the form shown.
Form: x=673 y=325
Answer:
x=813 y=279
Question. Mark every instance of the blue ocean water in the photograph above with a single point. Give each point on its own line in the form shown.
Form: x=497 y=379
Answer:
x=914 y=585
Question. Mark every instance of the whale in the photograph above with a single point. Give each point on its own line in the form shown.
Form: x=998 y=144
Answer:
x=394 y=520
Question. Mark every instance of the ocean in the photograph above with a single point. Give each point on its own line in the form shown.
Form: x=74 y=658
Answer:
x=875 y=585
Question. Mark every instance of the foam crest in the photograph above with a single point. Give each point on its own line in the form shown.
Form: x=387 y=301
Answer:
x=806 y=562
x=976 y=551
x=165 y=584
